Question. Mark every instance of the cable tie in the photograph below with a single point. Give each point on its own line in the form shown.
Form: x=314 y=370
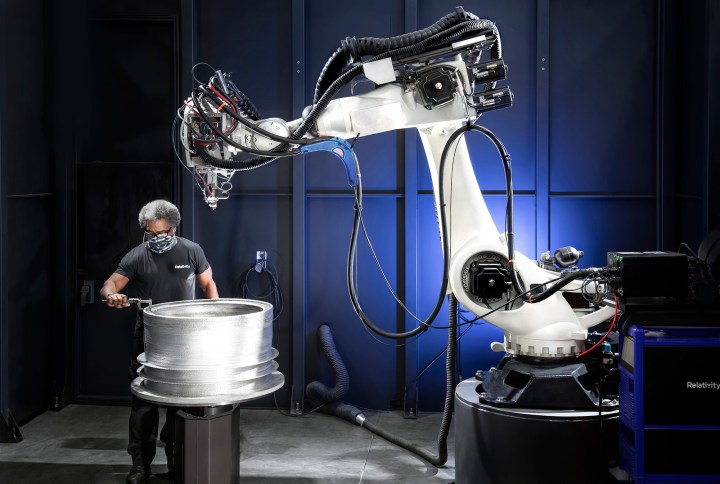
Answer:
x=221 y=106
x=354 y=140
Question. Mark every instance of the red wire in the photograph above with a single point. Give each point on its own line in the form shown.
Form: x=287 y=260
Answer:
x=227 y=103
x=222 y=96
x=200 y=177
x=191 y=107
x=612 y=325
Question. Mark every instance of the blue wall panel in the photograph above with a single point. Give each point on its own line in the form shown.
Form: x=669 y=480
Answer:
x=602 y=96
x=601 y=225
x=429 y=274
x=693 y=111
x=370 y=360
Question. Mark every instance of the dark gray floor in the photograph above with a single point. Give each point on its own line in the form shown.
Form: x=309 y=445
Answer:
x=86 y=444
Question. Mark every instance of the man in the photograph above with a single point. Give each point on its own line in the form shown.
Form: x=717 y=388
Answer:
x=165 y=268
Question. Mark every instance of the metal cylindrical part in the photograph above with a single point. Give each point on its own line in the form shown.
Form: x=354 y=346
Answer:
x=208 y=332
x=207 y=352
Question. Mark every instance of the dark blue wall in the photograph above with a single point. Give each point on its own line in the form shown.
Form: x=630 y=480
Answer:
x=27 y=232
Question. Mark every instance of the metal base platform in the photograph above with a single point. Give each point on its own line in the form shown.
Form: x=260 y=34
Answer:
x=508 y=445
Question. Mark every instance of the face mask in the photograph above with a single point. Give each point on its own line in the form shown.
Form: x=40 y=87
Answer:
x=160 y=244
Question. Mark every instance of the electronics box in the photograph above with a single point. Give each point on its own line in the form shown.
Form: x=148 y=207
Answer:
x=670 y=404
x=651 y=274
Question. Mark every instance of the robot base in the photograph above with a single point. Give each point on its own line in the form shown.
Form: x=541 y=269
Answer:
x=508 y=445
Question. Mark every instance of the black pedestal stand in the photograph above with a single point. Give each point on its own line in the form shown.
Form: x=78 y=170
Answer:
x=207 y=445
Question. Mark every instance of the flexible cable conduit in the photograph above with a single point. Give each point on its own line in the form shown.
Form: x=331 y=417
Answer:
x=325 y=398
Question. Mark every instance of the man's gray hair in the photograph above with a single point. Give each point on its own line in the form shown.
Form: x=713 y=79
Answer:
x=157 y=210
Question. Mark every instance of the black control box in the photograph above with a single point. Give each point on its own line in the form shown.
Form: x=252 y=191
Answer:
x=650 y=274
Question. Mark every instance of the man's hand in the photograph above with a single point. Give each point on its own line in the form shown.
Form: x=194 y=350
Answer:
x=117 y=300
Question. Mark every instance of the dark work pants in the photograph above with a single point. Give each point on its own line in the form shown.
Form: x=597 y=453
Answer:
x=145 y=416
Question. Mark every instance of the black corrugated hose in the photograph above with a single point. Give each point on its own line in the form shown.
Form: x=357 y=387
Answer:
x=352 y=50
x=326 y=399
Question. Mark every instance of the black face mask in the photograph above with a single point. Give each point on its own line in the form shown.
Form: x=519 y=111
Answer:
x=160 y=243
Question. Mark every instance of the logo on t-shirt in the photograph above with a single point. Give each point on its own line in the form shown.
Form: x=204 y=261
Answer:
x=181 y=266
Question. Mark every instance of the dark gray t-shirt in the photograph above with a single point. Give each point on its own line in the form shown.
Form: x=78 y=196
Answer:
x=165 y=277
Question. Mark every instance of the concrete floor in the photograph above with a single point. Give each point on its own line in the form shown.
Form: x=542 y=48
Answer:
x=86 y=444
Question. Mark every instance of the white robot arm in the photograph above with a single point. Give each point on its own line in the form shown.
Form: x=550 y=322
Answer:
x=478 y=266
x=437 y=88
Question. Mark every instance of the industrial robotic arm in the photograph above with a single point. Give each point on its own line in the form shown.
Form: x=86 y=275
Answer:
x=437 y=82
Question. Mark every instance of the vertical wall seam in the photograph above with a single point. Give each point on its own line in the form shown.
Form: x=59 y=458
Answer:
x=188 y=54
x=659 y=165
x=299 y=222
x=706 y=114
x=411 y=240
x=542 y=129
x=3 y=227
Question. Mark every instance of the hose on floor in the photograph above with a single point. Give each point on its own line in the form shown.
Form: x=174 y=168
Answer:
x=327 y=399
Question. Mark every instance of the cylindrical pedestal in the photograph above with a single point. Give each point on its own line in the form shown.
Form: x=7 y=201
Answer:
x=496 y=445
x=207 y=445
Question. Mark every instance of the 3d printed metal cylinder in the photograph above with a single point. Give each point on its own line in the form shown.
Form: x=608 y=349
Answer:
x=207 y=352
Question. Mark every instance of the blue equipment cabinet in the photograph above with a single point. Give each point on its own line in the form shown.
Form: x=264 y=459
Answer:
x=670 y=404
